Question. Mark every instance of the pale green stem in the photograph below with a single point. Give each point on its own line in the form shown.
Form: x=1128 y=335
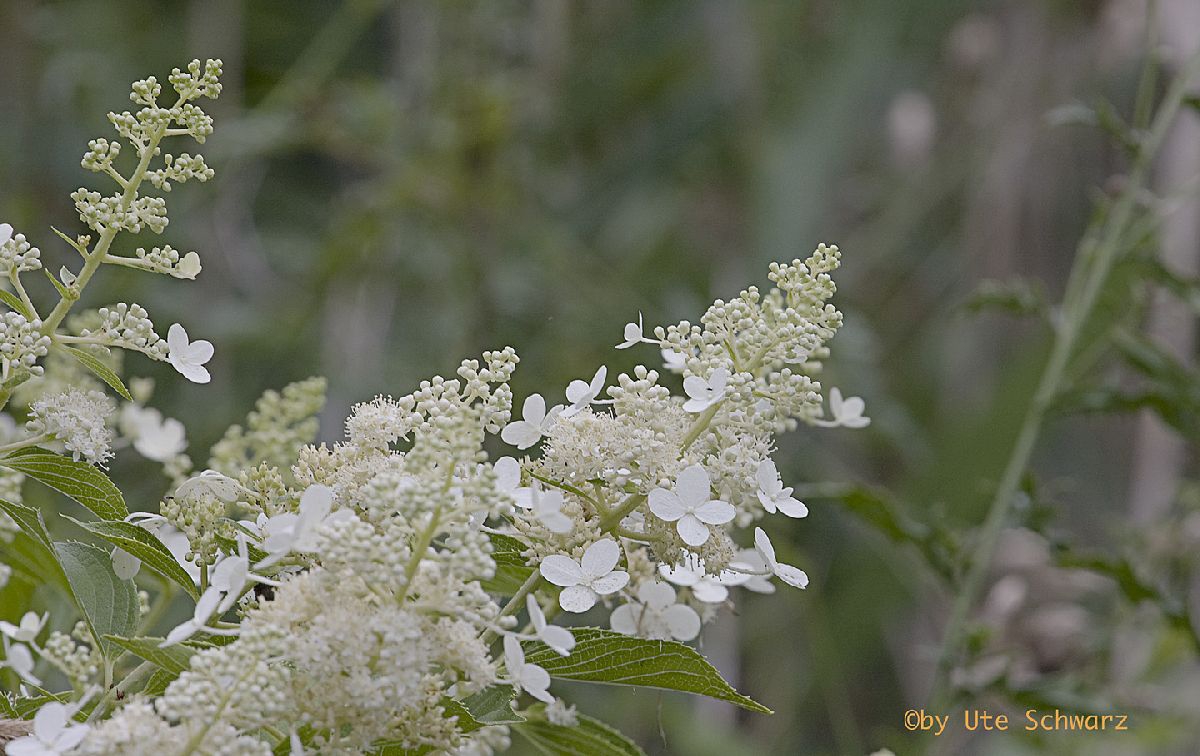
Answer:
x=1088 y=275
x=93 y=261
x=515 y=603
x=25 y=443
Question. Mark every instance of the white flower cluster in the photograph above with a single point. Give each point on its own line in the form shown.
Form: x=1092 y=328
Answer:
x=22 y=344
x=79 y=419
x=377 y=550
x=17 y=255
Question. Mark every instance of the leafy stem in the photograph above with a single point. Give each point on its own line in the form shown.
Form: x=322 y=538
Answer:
x=1089 y=273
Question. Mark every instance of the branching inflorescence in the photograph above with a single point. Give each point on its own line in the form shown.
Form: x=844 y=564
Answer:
x=396 y=590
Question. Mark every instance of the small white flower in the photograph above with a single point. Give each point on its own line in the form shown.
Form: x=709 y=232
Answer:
x=208 y=604
x=656 y=615
x=749 y=563
x=583 y=582
x=547 y=508
x=634 y=334
x=54 y=733
x=19 y=659
x=527 y=677
x=508 y=480
x=703 y=394
x=710 y=589
x=290 y=532
x=188 y=266
x=581 y=394
x=535 y=423
x=210 y=482
x=155 y=437
x=231 y=574
x=188 y=357
x=557 y=638
x=773 y=496
x=847 y=413
x=27 y=631
x=691 y=506
x=673 y=361
x=793 y=576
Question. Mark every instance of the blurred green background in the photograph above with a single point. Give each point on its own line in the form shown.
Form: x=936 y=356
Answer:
x=404 y=184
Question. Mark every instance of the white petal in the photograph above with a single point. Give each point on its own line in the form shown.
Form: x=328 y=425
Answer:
x=765 y=550
x=625 y=619
x=680 y=574
x=692 y=531
x=835 y=401
x=793 y=576
x=697 y=405
x=561 y=570
x=715 y=512
x=666 y=505
x=125 y=565
x=656 y=595
x=793 y=507
x=556 y=522
x=508 y=474
x=692 y=486
x=536 y=681
x=199 y=352
x=766 y=475
x=598 y=379
x=315 y=504
x=177 y=339
x=182 y=632
x=853 y=407
x=710 y=592
x=534 y=409
x=6 y=232
x=50 y=721
x=767 y=501
x=535 y=613
x=577 y=599
x=558 y=638
x=27 y=746
x=577 y=390
x=683 y=622
x=695 y=387
x=611 y=583
x=194 y=373
x=718 y=380
x=514 y=656
x=600 y=558
x=521 y=434
x=71 y=737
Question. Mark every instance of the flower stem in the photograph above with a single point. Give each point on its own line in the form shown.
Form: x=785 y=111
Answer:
x=1090 y=272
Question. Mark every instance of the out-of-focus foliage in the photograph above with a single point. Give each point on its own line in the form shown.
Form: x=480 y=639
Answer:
x=401 y=184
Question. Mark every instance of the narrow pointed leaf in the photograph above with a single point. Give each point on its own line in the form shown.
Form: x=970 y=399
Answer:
x=590 y=737
x=102 y=371
x=78 y=480
x=174 y=659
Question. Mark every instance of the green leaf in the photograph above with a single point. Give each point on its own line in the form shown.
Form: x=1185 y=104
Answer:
x=604 y=656
x=174 y=659
x=78 y=480
x=144 y=545
x=15 y=303
x=109 y=604
x=62 y=290
x=30 y=521
x=511 y=570
x=590 y=737
x=490 y=706
x=102 y=371
x=158 y=682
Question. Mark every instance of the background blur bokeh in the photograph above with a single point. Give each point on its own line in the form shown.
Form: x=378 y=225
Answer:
x=404 y=184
